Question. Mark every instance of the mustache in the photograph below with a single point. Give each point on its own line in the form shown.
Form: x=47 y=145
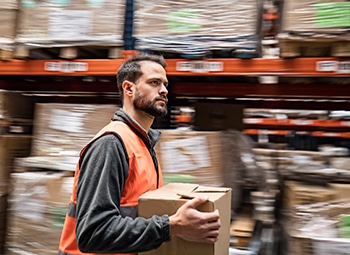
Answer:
x=165 y=98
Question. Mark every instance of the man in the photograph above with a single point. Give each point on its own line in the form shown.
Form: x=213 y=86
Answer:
x=118 y=165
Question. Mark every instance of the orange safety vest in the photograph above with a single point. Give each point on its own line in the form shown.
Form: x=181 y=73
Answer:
x=139 y=180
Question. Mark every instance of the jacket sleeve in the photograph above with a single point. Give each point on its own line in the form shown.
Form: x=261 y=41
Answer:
x=100 y=227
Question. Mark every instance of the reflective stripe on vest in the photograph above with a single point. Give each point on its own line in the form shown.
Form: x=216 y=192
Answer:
x=140 y=180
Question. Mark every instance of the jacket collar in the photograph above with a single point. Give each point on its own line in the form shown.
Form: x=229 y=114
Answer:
x=150 y=138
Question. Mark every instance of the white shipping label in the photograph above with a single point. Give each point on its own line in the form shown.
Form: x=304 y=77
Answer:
x=185 y=154
x=70 y=24
x=67 y=121
x=200 y=66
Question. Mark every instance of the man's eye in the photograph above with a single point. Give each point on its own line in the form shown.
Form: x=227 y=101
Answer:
x=156 y=83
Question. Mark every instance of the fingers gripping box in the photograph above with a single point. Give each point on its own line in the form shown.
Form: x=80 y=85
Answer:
x=167 y=199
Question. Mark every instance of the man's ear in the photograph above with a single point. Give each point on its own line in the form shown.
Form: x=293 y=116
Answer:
x=127 y=87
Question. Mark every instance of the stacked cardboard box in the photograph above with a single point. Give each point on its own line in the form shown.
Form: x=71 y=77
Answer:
x=66 y=23
x=42 y=180
x=63 y=129
x=331 y=16
x=8 y=17
x=315 y=28
x=297 y=193
x=193 y=156
x=37 y=207
x=11 y=147
x=314 y=228
x=16 y=116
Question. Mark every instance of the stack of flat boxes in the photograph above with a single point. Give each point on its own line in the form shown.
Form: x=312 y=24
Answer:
x=13 y=105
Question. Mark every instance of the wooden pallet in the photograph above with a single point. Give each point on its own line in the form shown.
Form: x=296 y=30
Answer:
x=219 y=53
x=70 y=52
x=6 y=54
x=310 y=47
x=6 y=51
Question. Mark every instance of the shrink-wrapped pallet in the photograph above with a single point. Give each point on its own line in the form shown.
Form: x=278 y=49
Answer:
x=68 y=22
x=315 y=28
x=331 y=16
x=192 y=27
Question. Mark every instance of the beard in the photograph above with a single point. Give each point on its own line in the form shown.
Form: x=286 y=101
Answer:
x=149 y=106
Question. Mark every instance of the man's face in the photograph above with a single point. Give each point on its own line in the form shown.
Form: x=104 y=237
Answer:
x=151 y=90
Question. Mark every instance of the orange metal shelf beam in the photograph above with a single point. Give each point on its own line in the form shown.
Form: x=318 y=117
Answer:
x=298 y=122
x=183 y=67
x=285 y=132
x=326 y=66
x=55 y=67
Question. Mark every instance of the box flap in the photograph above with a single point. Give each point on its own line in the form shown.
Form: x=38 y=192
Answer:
x=211 y=189
x=181 y=187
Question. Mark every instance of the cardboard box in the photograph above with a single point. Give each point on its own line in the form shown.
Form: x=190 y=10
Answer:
x=331 y=16
x=170 y=197
x=7 y=26
x=297 y=193
x=37 y=207
x=342 y=190
x=11 y=147
x=194 y=154
x=8 y=19
x=79 y=22
x=64 y=129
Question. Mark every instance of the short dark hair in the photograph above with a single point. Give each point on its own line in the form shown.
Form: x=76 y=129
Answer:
x=130 y=70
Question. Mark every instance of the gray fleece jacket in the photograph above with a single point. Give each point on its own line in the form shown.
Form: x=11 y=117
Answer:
x=103 y=226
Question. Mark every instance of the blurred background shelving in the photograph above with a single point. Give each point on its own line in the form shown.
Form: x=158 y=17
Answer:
x=265 y=83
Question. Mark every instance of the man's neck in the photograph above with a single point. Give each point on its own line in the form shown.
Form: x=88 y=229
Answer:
x=143 y=119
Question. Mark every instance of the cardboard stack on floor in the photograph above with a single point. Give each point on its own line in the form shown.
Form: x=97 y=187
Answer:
x=15 y=141
x=42 y=181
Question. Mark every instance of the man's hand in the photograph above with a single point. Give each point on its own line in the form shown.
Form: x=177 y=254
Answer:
x=193 y=225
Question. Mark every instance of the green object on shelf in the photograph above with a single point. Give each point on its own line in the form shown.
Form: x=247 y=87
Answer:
x=184 y=178
x=344 y=220
x=335 y=14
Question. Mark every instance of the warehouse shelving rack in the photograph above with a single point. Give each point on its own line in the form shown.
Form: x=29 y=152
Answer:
x=203 y=78
x=295 y=67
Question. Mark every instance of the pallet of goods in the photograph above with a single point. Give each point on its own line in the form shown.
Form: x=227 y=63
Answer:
x=315 y=29
x=193 y=29
x=8 y=14
x=70 y=29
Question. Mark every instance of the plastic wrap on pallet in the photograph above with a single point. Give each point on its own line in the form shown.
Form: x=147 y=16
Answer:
x=71 y=23
x=190 y=27
x=37 y=207
x=8 y=15
x=332 y=16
